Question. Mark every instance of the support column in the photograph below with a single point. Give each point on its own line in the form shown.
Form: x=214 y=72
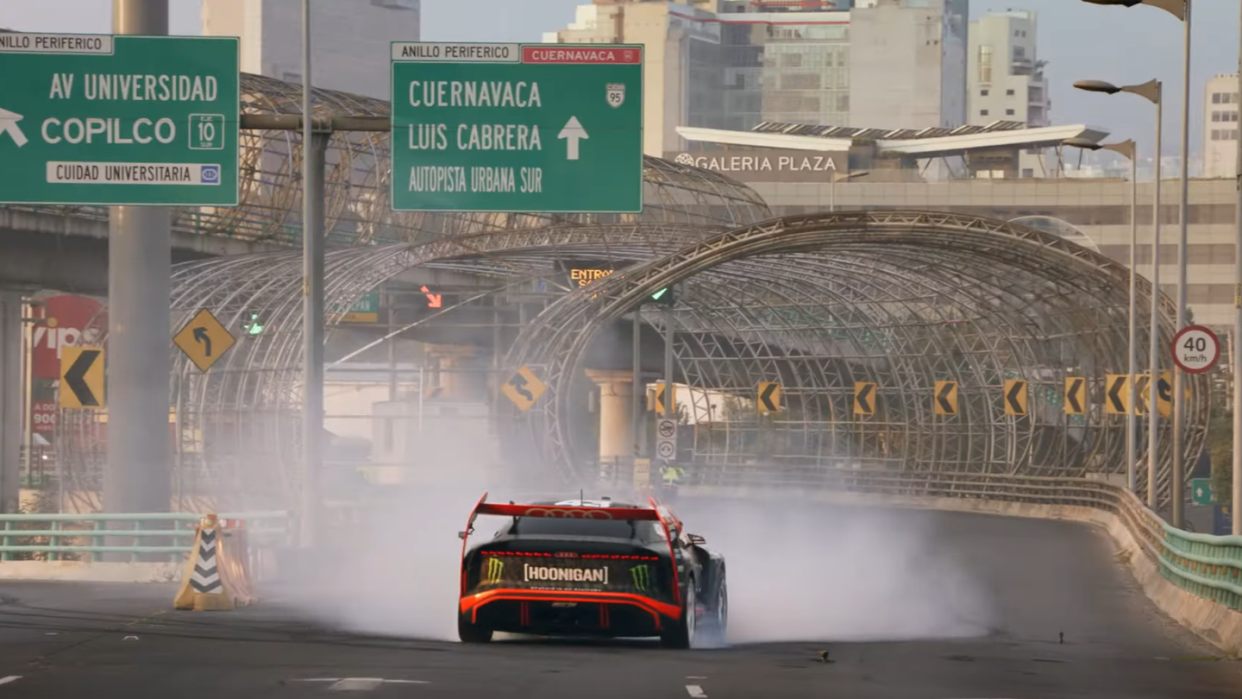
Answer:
x=138 y=477
x=461 y=376
x=11 y=400
x=616 y=397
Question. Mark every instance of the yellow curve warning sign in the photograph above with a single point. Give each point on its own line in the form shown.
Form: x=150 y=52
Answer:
x=945 y=398
x=82 y=377
x=1075 y=395
x=769 y=397
x=524 y=389
x=1016 y=397
x=204 y=340
x=864 y=398
x=1116 y=394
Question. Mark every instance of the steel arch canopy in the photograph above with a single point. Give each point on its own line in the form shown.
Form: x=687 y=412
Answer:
x=901 y=299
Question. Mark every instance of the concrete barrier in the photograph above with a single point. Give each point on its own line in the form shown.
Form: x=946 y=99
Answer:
x=83 y=571
x=1215 y=623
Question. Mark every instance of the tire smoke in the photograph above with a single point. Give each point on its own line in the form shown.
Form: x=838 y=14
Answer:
x=814 y=572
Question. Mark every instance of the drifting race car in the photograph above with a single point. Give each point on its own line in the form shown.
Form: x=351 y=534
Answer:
x=591 y=568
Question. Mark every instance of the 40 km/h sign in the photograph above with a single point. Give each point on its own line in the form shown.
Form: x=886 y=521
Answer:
x=553 y=128
x=1196 y=349
x=115 y=120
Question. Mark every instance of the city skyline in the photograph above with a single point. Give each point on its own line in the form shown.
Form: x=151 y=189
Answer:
x=1144 y=43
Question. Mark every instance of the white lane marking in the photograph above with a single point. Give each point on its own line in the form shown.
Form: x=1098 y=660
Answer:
x=10 y=678
x=695 y=691
x=358 y=684
x=696 y=677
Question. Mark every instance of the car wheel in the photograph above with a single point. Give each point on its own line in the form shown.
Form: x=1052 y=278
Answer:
x=472 y=633
x=683 y=635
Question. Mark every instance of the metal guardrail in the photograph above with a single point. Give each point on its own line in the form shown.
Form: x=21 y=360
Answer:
x=1205 y=565
x=165 y=536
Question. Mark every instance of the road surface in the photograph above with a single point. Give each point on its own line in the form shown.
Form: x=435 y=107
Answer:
x=1013 y=588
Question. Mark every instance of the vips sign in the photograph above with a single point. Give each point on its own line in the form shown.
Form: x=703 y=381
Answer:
x=767 y=165
x=66 y=318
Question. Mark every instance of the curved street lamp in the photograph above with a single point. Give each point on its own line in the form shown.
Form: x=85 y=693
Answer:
x=1181 y=10
x=1152 y=91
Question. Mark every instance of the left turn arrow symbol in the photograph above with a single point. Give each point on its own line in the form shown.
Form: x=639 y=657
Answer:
x=8 y=124
x=76 y=378
x=202 y=338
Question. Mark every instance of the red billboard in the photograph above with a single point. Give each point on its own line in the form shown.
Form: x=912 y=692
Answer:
x=44 y=416
x=66 y=317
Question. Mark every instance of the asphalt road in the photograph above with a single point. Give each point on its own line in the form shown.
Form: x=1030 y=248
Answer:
x=1004 y=590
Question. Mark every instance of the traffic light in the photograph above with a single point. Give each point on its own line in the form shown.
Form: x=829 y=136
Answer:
x=663 y=297
x=252 y=323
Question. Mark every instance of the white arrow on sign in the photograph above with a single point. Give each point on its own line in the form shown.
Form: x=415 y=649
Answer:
x=573 y=132
x=8 y=124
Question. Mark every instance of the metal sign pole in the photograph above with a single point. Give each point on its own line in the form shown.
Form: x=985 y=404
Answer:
x=313 y=149
x=1235 y=503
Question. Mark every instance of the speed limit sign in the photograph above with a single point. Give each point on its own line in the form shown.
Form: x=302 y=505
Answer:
x=1195 y=349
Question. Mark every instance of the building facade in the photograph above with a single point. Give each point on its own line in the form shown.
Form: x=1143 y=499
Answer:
x=1093 y=213
x=1005 y=78
x=1220 y=127
x=350 y=40
x=732 y=64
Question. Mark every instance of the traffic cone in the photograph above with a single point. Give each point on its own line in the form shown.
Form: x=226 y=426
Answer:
x=202 y=588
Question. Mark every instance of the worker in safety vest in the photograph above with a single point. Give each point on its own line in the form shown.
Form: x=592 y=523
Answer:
x=671 y=474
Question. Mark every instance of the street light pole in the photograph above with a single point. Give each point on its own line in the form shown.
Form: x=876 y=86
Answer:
x=1129 y=149
x=1235 y=506
x=1152 y=91
x=1177 y=479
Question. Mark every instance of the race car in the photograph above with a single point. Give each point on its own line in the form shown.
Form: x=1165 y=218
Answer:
x=591 y=568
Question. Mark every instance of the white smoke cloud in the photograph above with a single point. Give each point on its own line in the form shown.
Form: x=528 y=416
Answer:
x=801 y=571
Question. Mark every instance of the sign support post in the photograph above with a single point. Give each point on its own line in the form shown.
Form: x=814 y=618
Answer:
x=314 y=150
x=138 y=477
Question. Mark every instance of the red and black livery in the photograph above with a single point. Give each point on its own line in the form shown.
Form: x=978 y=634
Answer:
x=591 y=568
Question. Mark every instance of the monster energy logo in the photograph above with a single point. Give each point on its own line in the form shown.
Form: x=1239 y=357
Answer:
x=642 y=576
x=494 y=568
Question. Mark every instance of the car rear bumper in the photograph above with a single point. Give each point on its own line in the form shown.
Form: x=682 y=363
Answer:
x=569 y=612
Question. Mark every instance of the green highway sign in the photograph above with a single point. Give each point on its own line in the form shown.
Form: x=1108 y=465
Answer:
x=1201 y=491
x=541 y=128
x=119 y=120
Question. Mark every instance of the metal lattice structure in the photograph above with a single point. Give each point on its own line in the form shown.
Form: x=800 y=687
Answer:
x=899 y=299
x=357 y=205
x=237 y=428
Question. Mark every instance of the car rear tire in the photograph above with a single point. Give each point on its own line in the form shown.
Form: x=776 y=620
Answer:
x=682 y=635
x=472 y=633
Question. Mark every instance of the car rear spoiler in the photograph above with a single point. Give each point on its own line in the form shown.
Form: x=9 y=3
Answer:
x=656 y=513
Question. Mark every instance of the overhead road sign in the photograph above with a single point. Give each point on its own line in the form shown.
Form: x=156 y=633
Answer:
x=945 y=398
x=550 y=128
x=119 y=120
x=1075 y=395
x=1196 y=349
x=1016 y=397
x=204 y=340
x=524 y=389
x=82 y=377
x=769 y=397
x=864 y=398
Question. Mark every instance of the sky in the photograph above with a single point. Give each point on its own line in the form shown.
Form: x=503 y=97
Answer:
x=1079 y=40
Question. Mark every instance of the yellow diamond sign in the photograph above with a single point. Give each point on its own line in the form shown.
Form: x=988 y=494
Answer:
x=204 y=340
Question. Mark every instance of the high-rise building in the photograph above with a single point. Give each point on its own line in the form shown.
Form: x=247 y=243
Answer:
x=1005 y=78
x=1220 y=127
x=349 y=40
x=731 y=64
